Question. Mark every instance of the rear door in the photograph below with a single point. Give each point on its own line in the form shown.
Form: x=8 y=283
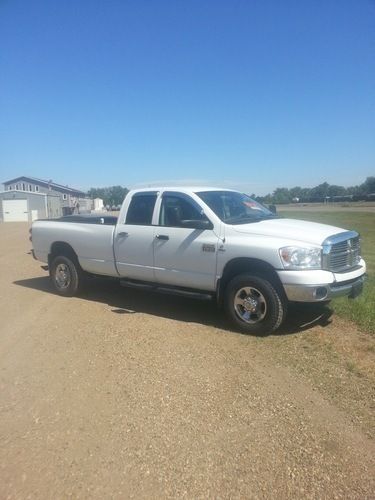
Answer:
x=184 y=256
x=134 y=239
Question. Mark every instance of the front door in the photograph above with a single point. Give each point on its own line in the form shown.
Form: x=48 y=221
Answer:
x=184 y=256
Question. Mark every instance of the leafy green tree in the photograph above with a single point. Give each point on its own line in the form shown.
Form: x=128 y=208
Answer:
x=295 y=192
x=281 y=195
x=305 y=194
x=336 y=190
x=369 y=185
x=265 y=199
x=112 y=196
x=320 y=191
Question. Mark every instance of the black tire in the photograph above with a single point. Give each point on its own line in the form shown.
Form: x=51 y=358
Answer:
x=66 y=275
x=254 y=305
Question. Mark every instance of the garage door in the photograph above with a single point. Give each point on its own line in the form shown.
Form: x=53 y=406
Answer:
x=15 y=211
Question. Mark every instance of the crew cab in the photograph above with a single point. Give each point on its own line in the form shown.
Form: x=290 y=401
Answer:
x=205 y=242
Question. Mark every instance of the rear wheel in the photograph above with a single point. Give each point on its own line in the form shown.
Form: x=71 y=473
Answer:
x=66 y=275
x=254 y=304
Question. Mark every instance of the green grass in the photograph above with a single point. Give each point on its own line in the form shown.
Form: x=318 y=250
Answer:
x=362 y=309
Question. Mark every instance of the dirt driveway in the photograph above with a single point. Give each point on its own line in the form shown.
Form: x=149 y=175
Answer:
x=124 y=394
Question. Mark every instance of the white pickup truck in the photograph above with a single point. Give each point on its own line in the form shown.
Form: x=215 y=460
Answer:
x=205 y=242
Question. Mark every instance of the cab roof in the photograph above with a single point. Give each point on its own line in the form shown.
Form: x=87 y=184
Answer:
x=182 y=189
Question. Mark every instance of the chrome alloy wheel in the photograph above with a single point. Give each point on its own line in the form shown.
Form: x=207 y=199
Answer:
x=250 y=305
x=62 y=276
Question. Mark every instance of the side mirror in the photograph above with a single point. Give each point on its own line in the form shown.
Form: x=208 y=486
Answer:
x=272 y=208
x=197 y=224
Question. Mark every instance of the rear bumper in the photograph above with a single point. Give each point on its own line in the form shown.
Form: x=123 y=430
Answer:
x=319 y=293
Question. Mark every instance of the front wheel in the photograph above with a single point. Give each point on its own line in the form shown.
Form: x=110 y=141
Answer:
x=66 y=276
x=254 y=305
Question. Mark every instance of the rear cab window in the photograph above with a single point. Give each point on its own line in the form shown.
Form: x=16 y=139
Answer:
x=141 y=209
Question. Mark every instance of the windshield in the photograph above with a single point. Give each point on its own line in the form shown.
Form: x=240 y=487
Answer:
x=235 y=208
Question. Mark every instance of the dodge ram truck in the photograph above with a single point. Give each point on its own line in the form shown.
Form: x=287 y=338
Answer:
x=207 y=243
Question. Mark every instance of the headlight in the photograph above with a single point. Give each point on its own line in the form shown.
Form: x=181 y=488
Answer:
x=301 y=258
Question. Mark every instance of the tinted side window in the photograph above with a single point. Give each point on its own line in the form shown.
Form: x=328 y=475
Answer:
x=141 y=209
x=175 y=209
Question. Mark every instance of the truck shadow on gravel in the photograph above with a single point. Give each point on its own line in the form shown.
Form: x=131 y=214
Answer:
x=301 y=317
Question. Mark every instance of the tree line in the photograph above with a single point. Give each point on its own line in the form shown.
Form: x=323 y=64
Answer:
x=321 y=193
x=113 y=196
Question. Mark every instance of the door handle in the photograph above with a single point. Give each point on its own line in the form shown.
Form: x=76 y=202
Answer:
x=122 y=234
x=162 y=237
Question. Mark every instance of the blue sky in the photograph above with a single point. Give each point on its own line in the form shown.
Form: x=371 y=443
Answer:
x=253 y=94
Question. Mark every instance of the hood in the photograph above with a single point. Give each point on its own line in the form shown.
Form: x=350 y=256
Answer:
x=297 y=230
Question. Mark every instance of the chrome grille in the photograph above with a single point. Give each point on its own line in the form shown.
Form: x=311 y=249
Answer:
x=341 y=252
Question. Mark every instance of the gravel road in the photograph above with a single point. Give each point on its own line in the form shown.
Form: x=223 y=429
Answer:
x=124 y=394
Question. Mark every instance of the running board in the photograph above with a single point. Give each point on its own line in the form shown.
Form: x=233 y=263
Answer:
x=166 y=290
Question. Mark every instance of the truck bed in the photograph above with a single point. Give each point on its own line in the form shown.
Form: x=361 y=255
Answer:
x=91 y=238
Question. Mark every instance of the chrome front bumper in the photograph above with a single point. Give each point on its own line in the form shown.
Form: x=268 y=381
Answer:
x=321 y=292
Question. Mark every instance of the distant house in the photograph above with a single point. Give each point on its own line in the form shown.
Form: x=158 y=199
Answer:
x=27 y=198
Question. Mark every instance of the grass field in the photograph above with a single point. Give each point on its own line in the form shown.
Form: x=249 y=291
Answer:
x=362 y=309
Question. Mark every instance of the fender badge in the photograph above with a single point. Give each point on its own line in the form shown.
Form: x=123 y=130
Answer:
x=207 y=247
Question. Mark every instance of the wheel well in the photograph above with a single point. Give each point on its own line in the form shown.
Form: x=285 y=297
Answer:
x=62 y=248
x=256 y=267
